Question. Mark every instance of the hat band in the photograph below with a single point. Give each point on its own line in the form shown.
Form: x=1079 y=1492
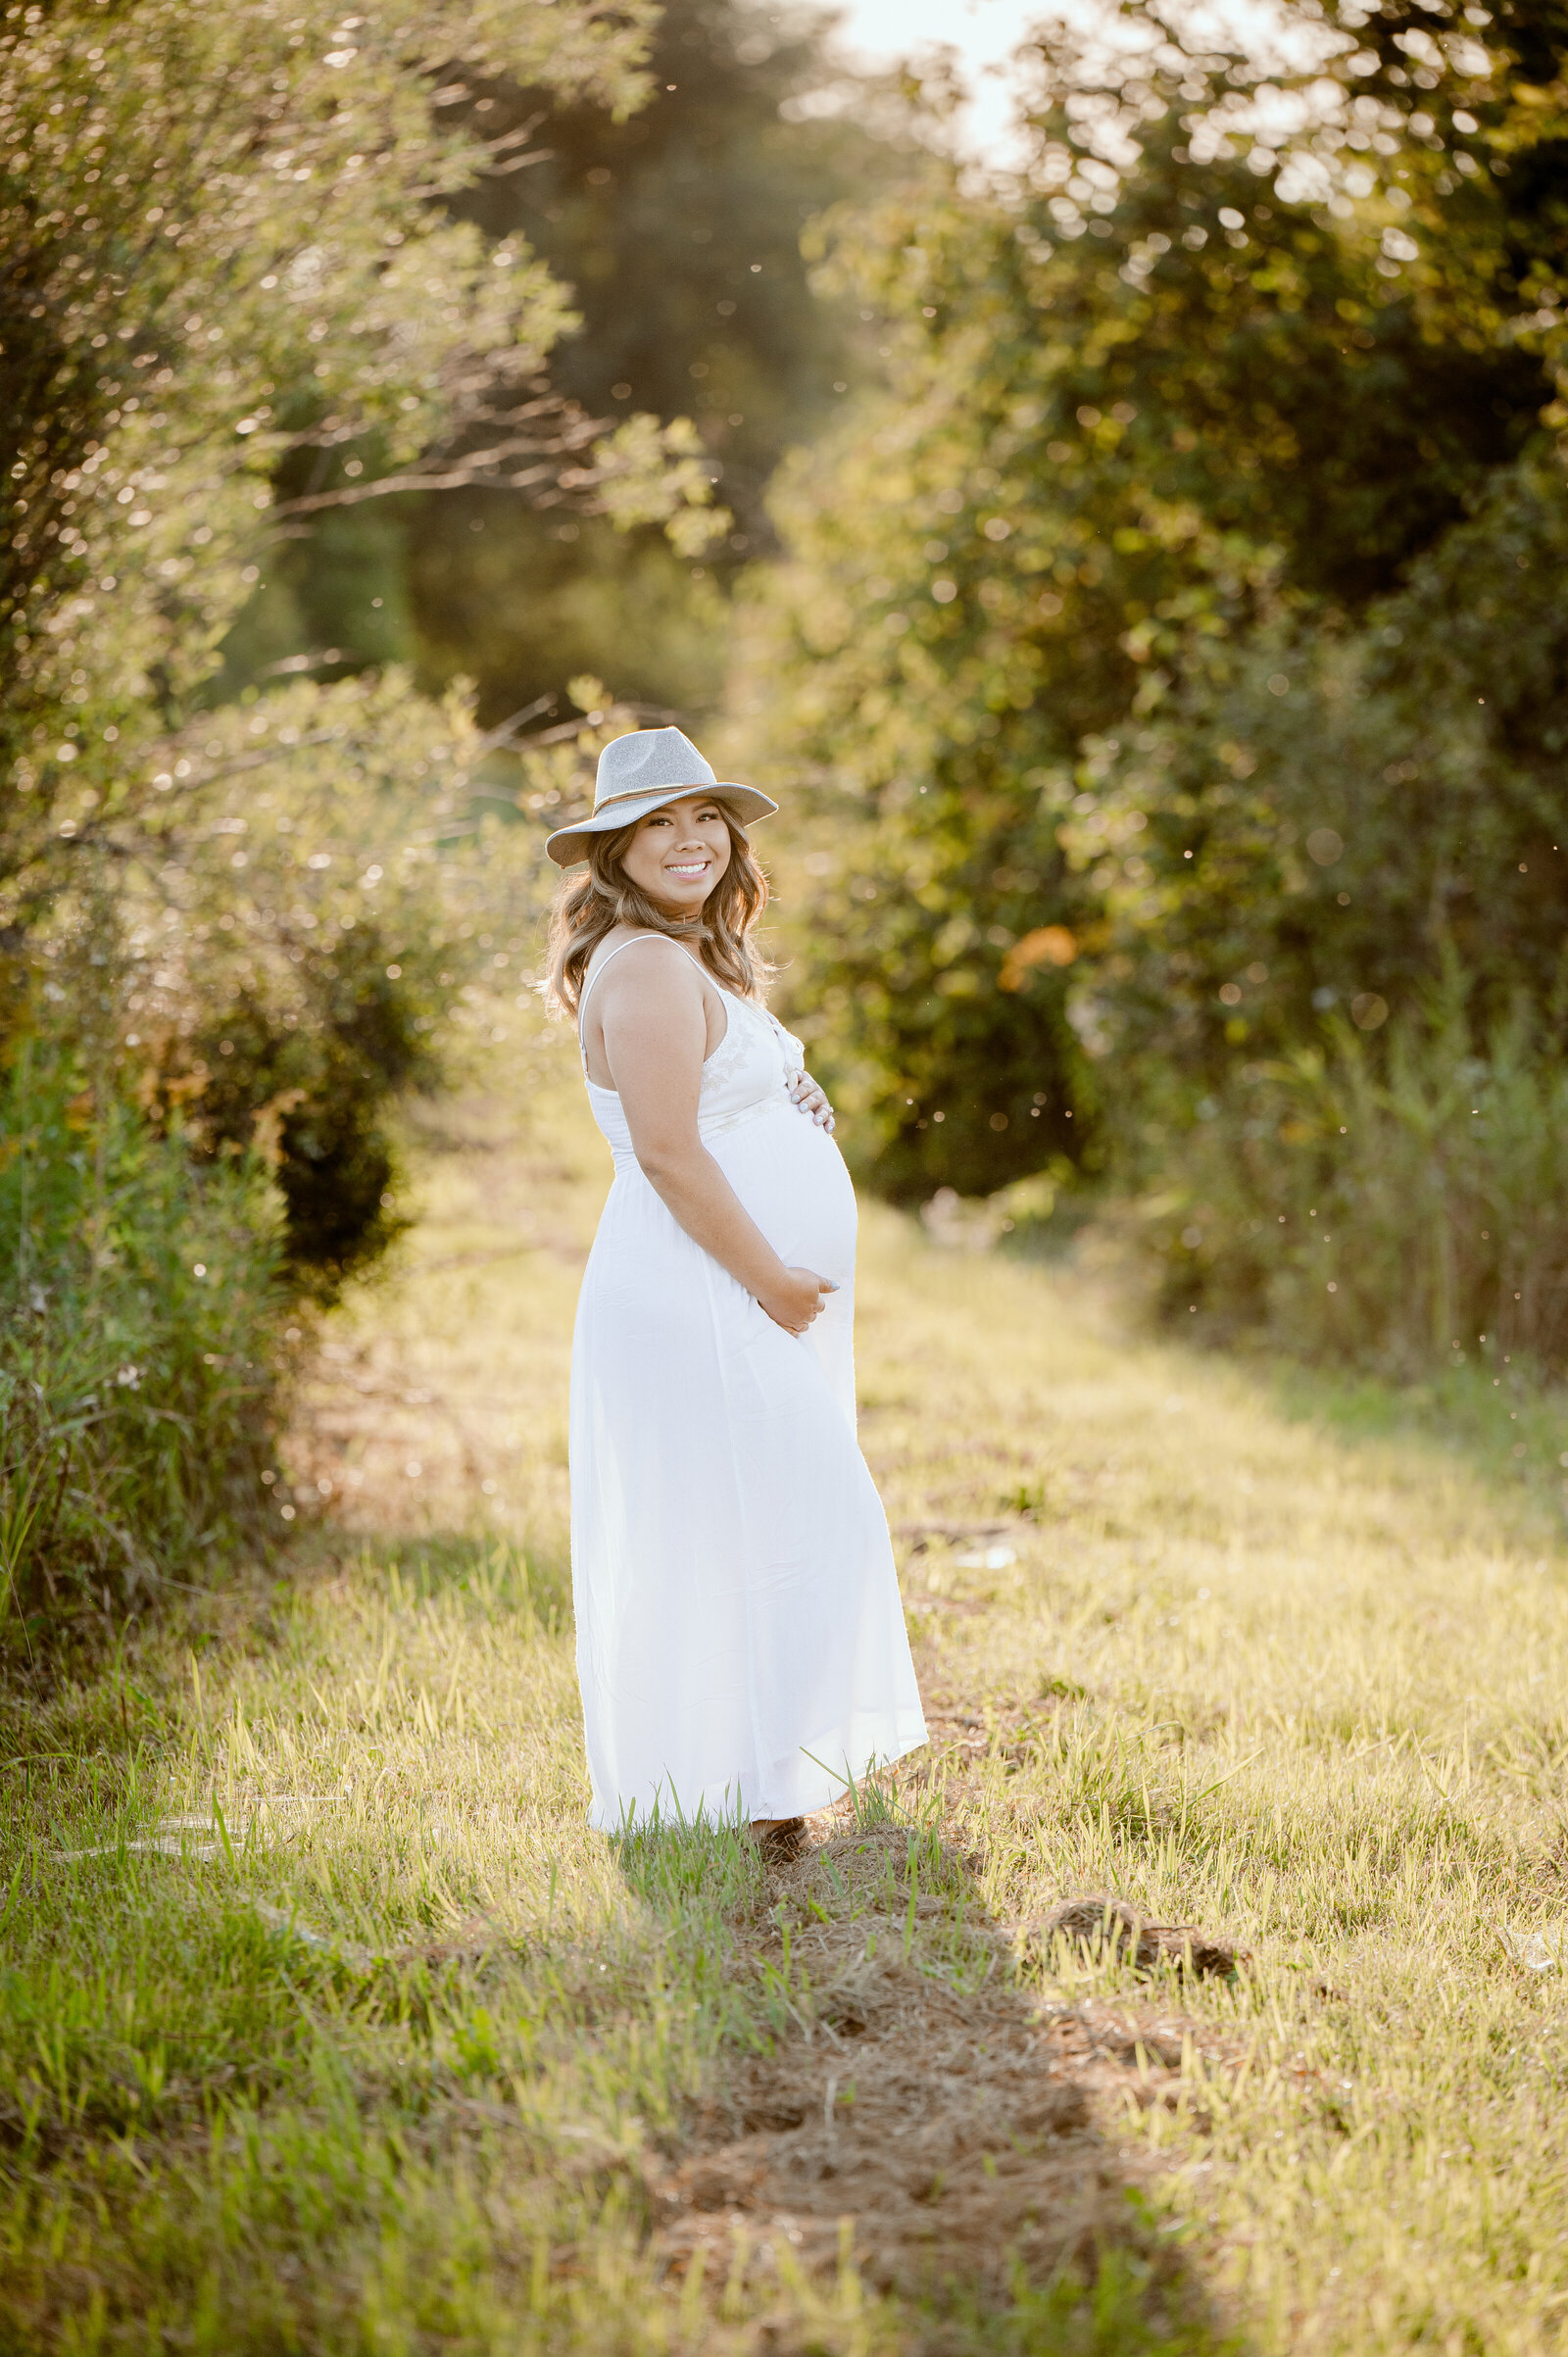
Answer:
x=642 y=794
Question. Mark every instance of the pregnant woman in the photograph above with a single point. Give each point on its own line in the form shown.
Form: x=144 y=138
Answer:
x=740 y=1639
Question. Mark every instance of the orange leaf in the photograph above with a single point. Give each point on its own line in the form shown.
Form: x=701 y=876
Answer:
x=1047 y=945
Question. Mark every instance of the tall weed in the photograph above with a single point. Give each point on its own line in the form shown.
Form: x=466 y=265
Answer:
x=140 y=1300
x=1395 y=1203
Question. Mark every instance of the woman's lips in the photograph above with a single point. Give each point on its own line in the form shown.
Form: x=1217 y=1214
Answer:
x=688 y=867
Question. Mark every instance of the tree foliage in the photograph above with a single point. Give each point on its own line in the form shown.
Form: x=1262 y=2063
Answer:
x=221 y=241
x=679 y=227
x=1337 y=813
x=677 y=230
x=1248 y=381
x=237 y=293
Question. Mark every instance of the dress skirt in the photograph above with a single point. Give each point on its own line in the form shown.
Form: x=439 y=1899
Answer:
x=741 y=1643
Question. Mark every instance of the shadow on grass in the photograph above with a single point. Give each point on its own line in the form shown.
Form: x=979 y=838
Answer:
x=894 y=2118
x=803 y=2109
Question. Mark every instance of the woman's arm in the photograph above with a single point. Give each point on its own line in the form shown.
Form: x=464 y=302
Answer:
x=654 y=1028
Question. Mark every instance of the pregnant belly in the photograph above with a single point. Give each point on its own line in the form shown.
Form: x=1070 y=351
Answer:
x=791 y=1178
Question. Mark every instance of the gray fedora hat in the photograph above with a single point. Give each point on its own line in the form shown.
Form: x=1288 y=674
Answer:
x=639 y=773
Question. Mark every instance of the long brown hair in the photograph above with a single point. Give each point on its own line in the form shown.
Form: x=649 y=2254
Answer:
x=588 y=906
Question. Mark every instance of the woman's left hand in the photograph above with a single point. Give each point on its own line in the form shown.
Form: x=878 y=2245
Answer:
x=813 y=1099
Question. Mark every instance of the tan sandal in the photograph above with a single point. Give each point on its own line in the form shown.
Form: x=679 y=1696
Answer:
x=781 y=1840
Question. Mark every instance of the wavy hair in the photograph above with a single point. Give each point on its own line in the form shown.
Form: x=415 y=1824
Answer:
x=588 y=906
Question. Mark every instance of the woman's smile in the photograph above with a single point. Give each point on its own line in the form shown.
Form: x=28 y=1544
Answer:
x=680 y=854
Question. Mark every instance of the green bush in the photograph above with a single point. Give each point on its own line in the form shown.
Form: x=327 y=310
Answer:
x=323 y=1084
x=1400 y=1212
x=292 y=940
x=141 y=1303
x=1323 y=816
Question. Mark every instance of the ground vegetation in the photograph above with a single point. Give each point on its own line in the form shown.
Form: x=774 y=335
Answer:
x=144 y=1308
x=327 y=2020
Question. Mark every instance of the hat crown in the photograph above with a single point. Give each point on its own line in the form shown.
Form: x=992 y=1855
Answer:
x=650 y=761
x=638 y=774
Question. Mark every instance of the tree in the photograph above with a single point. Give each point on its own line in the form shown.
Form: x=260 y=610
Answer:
x=295 y=290
x=1178 y=393
x=1338 y=815
x=677 y=230
x=679 y=227
x=234 y=292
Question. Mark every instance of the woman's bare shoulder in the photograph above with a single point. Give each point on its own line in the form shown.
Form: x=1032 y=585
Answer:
x=633 y=969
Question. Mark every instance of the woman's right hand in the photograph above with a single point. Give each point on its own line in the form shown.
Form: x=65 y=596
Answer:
x=796 y=1298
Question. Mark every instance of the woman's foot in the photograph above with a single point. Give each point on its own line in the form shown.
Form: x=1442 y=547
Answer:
x=779 y=1838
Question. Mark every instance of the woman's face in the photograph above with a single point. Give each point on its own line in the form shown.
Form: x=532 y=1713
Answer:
x=678 y=853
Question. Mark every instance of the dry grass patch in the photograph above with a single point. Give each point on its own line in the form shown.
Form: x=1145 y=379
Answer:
x=923 y=2110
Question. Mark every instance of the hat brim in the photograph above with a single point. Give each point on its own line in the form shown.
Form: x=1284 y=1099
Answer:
x=571 y=842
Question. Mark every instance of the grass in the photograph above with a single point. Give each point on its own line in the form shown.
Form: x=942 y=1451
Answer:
x=1398 y=1207
x=324 y=2025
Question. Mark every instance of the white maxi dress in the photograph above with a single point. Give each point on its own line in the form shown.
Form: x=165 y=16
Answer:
x=741 y=1643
